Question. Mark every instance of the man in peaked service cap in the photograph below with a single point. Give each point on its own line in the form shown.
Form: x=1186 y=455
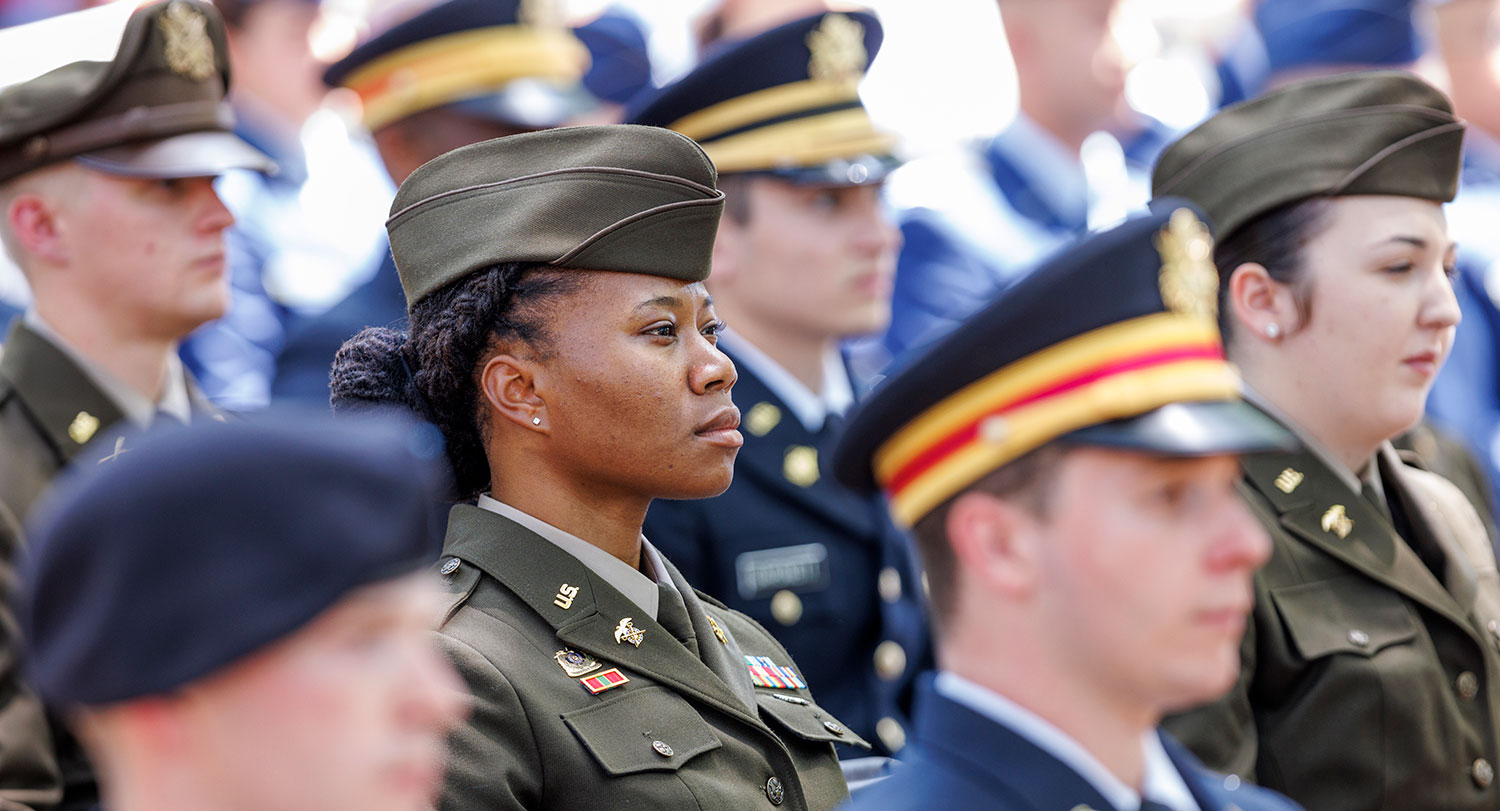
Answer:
x=107 y=205
x=239 y=616
x=1068 y=460
x=460 y=72
x=803 y=260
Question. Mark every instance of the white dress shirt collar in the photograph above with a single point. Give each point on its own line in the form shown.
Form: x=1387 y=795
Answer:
x=810 y=408
x=1161 y=780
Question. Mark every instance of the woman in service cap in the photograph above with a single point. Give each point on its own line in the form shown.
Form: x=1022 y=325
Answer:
x=1369 y=671
x=562 y=341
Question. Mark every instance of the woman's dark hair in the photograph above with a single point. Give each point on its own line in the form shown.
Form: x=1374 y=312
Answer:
x=432 y=369
x=1275 y=240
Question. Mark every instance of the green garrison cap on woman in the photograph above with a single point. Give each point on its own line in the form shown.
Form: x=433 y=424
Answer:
x=562 y=341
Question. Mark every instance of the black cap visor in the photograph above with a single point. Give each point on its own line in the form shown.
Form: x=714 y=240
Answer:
x=193 y=154
x=529 y=104
x=865 y=170
x=1209 y=428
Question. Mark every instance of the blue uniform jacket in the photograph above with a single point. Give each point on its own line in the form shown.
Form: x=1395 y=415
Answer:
x=824 y=544
x=961 y=759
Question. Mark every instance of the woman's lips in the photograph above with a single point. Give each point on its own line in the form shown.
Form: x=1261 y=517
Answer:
x=723 y=429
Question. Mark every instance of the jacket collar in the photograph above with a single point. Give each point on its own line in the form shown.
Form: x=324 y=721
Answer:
x=64 y=401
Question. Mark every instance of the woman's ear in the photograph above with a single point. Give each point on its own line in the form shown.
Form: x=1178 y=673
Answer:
x=509 y=385
x=1263 y=308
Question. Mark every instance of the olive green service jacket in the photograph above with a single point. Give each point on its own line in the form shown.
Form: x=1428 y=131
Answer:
x=49 y=410
x=681 y=732
x=1367 y=682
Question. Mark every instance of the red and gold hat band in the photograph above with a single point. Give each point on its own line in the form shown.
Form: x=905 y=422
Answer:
x=1118 y=371
x=471 y=63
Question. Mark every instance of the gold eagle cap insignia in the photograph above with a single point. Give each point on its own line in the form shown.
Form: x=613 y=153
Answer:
x=187 y=48
x=1188 y=280
x=838 y=50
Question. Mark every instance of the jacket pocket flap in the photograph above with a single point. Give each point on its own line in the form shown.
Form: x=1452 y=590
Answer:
x=798 y=715
x=1350 y=615
x=649 y=729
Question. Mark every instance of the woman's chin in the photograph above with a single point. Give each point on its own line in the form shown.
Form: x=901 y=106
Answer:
x=707 y=484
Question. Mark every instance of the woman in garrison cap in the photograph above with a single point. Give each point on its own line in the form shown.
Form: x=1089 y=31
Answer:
x=562 y=341
x=1369 y=678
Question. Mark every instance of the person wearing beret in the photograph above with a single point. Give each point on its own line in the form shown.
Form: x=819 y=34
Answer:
x=1067 y=460
x=802 y=261
x=563 y=343
x=272 y=649
x=106 y=192
x=458 y=72
x=1370 y=677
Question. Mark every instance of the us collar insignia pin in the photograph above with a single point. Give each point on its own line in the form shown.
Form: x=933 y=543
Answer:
x=718 y=632
x=627 y=632
x=1337 y=522
x=565 y=595
x=575 y=664
x=1288 y=481
x=82 y=429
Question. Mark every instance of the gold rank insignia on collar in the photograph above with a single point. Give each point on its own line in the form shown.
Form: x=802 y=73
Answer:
x=1189 y=283
x=1288 y=480
x=82 y=429
x=575 y=664
x=188 y=50
x=838 y=50
x=718 y=632
x=762 y=418
x=1337 y=522
x=800 y=466
x=627 y=632
x=565 y=595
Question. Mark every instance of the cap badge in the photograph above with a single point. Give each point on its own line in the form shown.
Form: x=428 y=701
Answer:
x=565 y=595
x=762 y=418
x=838 y=50
x=188 y=50
x=800 y=466
x=1288 y=481
x=1335 y=521
x=1189 y=283
x=540 y=14
x=608 y=680
x=575 y=664
x=82 y=429
x=627 y=632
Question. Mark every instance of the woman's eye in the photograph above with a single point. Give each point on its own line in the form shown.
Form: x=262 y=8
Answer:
x=663 y=330
x=713 y=330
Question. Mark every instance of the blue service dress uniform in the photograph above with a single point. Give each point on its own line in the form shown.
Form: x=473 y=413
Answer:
x=963 y=758
x=819 y=565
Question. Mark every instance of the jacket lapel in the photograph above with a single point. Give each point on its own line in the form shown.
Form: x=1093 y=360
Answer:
x=768 y=459
x=1371 y=546
x=535 y=570
x=725 y=659
x=63 y=401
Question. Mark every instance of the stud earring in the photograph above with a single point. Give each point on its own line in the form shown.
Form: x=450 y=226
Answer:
x=536 y=420
x=1273 y=331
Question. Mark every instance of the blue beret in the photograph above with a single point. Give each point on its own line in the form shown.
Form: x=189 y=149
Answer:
x=197 y=547
x=1317 y=33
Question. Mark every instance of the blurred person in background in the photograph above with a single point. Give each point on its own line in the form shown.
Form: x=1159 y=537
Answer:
x=802 y=261
x=106 y=189
x=1369 y=676
x=978 y=218
x=273 y=650
x=457 y=73
x=1068 y=459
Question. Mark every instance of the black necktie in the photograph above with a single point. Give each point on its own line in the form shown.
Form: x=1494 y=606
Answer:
x=671 y=614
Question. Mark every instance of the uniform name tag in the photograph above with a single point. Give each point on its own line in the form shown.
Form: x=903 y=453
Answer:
x=793 y=568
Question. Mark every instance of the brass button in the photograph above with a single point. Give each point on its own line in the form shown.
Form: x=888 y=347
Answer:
x=833 y=727
x=1359 y=638
x=774 y=792
x=890 y=660
x=662 y=748
x=889 y=585
x=1467 y=684
x=786 y=607
x=891 y=733
x=1482 y=772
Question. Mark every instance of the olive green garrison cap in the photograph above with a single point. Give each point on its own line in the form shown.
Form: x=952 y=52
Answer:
x=613 y=197
x=155 y=110
x=1376 y=132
